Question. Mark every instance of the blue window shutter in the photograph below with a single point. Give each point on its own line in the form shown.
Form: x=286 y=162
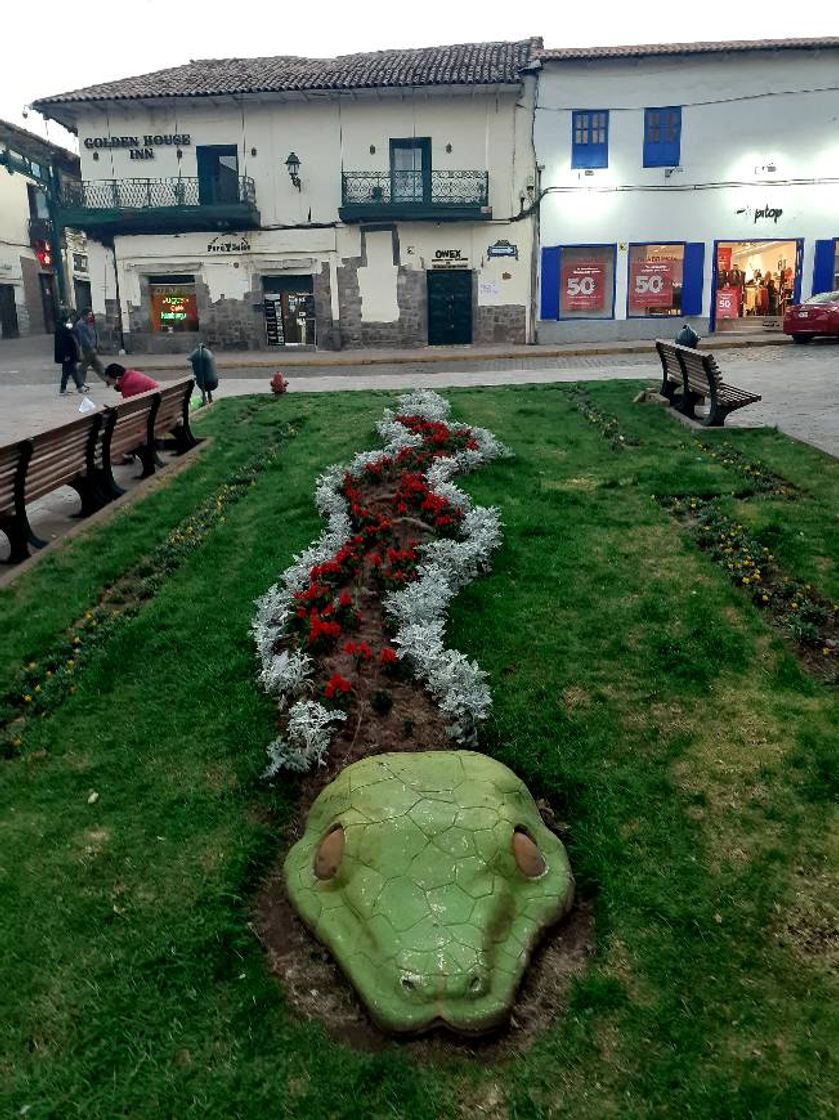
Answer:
x=663 y=136
x=590 y=138
x=550 y=284
x=824 y=266
x=693 y=278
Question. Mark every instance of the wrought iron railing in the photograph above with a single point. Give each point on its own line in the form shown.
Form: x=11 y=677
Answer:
x=149 y=194
x=435 y=188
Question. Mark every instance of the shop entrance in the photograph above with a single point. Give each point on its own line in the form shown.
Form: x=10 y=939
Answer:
x=449 y=307
x=174 y=306
x=289 y=310
x=8 y=312
x=754 y=281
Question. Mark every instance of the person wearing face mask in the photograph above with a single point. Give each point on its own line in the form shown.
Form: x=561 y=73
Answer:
x=66 y=353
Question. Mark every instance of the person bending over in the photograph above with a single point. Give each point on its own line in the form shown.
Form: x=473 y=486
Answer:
x=129 y=382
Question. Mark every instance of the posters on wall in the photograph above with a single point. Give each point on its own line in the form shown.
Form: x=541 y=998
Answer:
x=650 y=284
x=583 y=285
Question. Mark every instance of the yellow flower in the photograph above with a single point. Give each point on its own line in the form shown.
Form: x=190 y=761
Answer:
x=37 y=688
x=745 y=579
x=794 y=606
x=765 y=598
x=32 y=665
x=27 y=699
x=70 y=663
x=826 y=651
x=77 y=641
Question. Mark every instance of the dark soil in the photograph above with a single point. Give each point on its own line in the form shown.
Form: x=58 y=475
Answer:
x=316 y=988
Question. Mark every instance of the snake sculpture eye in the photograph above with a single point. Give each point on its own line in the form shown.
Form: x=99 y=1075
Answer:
x=529 y=859
x=329 y=854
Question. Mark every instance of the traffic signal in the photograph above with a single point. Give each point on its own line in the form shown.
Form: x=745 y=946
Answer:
x=43 y=251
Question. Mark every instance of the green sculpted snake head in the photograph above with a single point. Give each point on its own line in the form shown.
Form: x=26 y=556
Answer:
x=430 y=877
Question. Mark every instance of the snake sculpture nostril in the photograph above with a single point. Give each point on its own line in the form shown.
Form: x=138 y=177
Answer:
x=429 y=874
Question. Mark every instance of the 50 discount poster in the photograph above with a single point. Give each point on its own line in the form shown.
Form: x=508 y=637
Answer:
x=583 y=285
x=650 y=284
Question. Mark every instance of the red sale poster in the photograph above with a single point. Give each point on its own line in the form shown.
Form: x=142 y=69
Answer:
x=728 y=303
x=650 y=284
x=583 y=286
x=724 y=258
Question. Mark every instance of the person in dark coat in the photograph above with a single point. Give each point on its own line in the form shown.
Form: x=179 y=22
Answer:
x=204 y=367
x=67 y=353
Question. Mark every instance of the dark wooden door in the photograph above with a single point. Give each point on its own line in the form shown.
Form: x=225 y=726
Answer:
x=450 y=308
x=218 y=173
x=8 y=312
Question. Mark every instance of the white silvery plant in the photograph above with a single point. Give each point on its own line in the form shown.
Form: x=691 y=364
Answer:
x=286 y=673
x=458 y=685
x=424 y=403
x=307 y=738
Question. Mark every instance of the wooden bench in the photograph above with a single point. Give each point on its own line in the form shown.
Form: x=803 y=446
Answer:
x=697 y=375
x=80 y=454
x=135 y=426
x=32 y=468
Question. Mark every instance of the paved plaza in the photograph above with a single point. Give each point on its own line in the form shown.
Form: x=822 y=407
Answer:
x=799 y=386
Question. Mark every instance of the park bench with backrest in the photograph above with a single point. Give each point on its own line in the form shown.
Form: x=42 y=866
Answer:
x=135 y=425
x=689 y=377
x=34 y=467
x=80 y=454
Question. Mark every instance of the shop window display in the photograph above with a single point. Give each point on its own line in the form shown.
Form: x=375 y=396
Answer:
x=754 y=279
x=656 y=277
x=587 y=282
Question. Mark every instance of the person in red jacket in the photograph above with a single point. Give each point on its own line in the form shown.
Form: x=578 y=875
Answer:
x=129 y=382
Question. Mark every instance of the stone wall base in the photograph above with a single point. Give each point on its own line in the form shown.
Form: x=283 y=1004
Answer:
x=553 y=332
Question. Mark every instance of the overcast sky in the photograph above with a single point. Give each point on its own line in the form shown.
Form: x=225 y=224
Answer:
x=92 y=41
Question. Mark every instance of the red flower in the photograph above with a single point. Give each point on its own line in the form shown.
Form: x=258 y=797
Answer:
x=345 y=599
x=336 y=686
x=388 y=656
x=350 y=648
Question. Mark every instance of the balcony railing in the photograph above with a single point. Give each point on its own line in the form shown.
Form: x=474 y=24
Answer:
x=147 y=204
x=432 y=194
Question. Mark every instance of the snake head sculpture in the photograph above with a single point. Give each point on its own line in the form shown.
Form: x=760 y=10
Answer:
x=430 y=877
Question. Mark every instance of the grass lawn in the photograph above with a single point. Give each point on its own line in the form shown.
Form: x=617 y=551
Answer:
x=668 y=723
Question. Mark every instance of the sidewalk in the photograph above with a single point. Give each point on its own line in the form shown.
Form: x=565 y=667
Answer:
x=289 y=359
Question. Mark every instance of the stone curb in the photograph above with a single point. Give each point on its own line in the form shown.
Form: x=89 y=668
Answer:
x=424 y=357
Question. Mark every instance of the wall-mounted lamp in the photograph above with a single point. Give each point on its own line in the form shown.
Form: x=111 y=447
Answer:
x=293 y=165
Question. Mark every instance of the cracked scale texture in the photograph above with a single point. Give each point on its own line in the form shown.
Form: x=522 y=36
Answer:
x=429 y=914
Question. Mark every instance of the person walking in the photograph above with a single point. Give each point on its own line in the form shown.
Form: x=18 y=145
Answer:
x=66 y=353
x=204 y=367
x=88 y=340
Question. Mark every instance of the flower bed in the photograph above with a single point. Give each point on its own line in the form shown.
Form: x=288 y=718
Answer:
x=356 y=623
x=797 y=608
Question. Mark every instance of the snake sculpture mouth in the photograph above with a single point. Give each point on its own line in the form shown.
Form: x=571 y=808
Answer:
x=429 y=874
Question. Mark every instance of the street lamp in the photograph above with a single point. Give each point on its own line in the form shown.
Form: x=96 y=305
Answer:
x=293 y=165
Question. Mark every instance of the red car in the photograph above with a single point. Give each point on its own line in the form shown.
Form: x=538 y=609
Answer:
x=816 y=315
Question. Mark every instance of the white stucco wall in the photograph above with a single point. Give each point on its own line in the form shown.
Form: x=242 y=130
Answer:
x=485 y=129
x=740 y=113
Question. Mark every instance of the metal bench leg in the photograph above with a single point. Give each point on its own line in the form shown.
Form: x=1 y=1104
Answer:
x=90 y=494
x=688 y=404
x=18 y=538
x=716 y=416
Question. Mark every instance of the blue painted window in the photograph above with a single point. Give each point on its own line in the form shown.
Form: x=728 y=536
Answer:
x=662 y=137
x=590 y=138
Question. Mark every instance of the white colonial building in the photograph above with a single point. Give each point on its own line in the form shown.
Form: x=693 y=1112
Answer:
x=694 y=181
x=369 y=200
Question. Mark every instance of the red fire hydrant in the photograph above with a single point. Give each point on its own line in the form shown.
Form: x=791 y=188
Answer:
x=278 y=384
